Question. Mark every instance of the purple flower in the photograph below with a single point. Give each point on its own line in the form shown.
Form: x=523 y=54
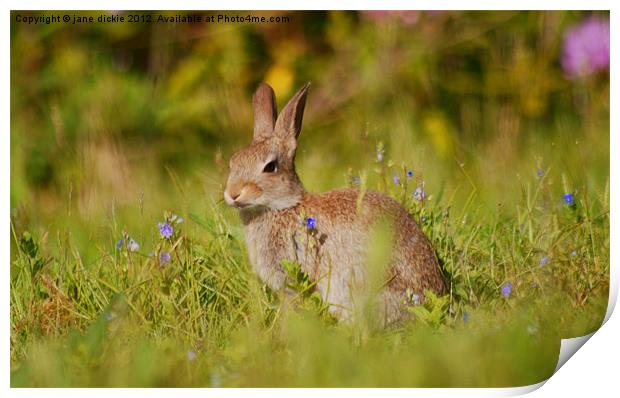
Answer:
x=356 y=180
x=466 y=317
x=586 y=48
x=133 y=246
x=311 y=223
x=396 y=180
x=164 y=257
x=165 y=230
x=419 y=194
x=573 y=254
x=543 y=261
x=191 y=356
x=409 y=173
x=506 y=289
x=119 y=244
x=540 y=173
x=569 y=199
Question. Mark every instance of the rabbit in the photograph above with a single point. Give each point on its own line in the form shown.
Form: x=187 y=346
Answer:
x=280 y=218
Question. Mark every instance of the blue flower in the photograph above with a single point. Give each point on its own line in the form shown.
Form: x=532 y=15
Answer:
x=573 y=254
x=356 y=180
x=396 y=180
x=569 y=199
x=191 y=356
x=311 y=223
x=540 y=173
x=543 y=261
x=466 y=317
x=409 y=173
x=164 y=257
x=165 y=230
x=419 y=194
x=133 y=246
x=506 y=289
x=119 y=244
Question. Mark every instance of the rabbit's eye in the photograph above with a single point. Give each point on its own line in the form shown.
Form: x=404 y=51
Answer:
x=271 y=167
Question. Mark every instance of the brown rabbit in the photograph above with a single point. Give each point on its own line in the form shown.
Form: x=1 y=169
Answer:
x=326 y=233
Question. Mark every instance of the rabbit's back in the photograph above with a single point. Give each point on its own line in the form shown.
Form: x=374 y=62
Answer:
x=344 y=229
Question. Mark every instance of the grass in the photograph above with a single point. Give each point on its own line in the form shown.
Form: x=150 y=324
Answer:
x=85 y=313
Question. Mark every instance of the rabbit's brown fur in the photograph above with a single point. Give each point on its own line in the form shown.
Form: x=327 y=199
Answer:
x=274 y=207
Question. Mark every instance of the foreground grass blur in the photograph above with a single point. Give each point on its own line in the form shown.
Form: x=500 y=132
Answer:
x=465 y=118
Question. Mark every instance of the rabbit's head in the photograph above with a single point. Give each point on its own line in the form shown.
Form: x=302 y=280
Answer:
x=263 y=175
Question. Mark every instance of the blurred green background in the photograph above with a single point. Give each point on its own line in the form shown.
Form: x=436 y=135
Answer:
x=103 y=112
x=113 y=123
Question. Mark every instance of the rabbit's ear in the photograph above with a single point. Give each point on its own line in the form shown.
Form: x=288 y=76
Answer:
x=288 y=124
x=265 y=112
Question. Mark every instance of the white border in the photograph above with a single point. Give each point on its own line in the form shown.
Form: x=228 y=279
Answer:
x=596 y=369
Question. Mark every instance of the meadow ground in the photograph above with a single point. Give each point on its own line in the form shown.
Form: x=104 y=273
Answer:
x=500 y=155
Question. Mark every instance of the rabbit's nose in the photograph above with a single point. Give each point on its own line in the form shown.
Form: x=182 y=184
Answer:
x=231 y=197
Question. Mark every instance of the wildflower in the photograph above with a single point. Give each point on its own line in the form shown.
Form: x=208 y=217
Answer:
x=586 y=48
x=356 y=180
x=165 y=230
x=539 y=173
x=532 y=329
x=506 y=289
x=380 y=153
x=543 y=261
x=176 y=219
x=108 y=316
x=133 y=246
x=419 y=194
x=569 y=199
x=415 y=299
x=409 y=173
x=396 y=180
x=119 y=244
x=191 y=356
x=164 y=257
x=573 y=254
x=466 y=317
x=311 y=223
